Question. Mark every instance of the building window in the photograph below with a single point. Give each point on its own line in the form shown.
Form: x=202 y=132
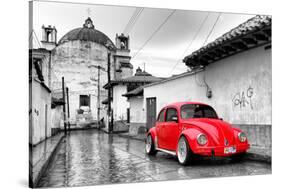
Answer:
x=85 y=100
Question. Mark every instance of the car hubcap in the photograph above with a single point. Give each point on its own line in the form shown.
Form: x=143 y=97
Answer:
x=148 y=144
x=182 y=150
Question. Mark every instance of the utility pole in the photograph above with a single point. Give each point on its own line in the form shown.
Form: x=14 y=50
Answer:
x=98 y=100
x=67 y=98
x=63 y=97
x=109 y=95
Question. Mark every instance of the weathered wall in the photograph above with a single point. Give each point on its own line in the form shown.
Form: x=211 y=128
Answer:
x=241 y=87
x=41 y=121
x=77 y=61
x=137 y=114
x=136 y=110
x=120 y=103
x=57 y=117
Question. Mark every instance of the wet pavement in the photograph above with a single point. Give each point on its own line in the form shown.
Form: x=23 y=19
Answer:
x=92 y=157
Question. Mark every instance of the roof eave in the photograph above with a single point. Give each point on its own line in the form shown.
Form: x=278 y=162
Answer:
x=220 y=49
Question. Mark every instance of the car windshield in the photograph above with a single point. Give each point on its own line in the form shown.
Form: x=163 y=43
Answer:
x=197 y=111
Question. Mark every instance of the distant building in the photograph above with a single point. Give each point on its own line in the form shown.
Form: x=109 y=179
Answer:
x=123 y=110
x=233 y=74
x=81 y=57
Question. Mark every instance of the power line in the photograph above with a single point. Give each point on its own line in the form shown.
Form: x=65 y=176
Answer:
x=159 y=27
x=133 y=20
x=189 y=45
x=36 y=38
x=212 y=29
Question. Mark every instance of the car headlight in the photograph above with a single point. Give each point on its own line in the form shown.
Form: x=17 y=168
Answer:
x=242 y=137
x=202 y=139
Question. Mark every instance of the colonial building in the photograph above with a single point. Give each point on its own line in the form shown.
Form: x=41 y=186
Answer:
x=123 y=111
x=40 y=95
x=85 y=57
x=233 y=74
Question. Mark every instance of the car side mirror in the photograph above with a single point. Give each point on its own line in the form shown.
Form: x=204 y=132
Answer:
x=174 y=118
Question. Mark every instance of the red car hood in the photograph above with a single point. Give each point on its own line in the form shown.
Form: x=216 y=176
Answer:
x=215 y=129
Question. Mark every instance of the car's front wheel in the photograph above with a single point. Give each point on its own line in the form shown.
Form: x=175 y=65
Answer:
x=183 y=151
x=149 y=146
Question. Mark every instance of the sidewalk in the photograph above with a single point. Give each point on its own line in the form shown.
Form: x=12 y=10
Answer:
x=254 y=153
x=140 y=137
x=40 y=156
x=259 y=154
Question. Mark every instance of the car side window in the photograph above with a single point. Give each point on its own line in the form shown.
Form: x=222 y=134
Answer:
x=171 y=112
x=161 y=116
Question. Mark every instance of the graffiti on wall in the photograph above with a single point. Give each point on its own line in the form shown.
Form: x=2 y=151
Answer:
x=243 y=99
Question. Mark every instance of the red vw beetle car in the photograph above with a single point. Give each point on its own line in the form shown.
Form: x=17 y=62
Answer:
x=187 y=128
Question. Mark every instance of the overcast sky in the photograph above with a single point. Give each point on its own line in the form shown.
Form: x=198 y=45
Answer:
x=166 y=48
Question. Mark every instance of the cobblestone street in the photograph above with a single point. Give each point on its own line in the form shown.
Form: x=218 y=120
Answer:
x=92 y=157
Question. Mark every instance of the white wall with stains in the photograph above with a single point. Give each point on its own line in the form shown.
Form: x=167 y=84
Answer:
x=137 y=113
x=120 y=103
x=240 y=84
x=41 y=113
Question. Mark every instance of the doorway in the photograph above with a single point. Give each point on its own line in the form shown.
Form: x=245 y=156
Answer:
x=150 y=112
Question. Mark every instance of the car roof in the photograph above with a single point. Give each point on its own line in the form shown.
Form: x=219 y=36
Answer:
x=178 y=104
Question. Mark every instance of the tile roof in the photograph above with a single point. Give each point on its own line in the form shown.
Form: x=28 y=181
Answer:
x=134 y=79
x=136 y=92
x=252 y=33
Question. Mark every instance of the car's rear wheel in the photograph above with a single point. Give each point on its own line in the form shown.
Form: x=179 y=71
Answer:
x=183 y=151
x=149 y=146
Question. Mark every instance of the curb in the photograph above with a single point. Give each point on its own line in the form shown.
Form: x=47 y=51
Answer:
x=131 y=137
x=249 y=155
x=46 y=164
x=258 y=157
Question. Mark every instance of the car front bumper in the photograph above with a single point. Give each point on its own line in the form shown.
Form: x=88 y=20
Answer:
x=221 y=150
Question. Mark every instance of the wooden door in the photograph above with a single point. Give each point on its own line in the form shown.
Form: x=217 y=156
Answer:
x=150 y=112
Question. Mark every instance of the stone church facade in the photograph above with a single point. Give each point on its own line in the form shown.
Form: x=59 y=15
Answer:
x=81 y=56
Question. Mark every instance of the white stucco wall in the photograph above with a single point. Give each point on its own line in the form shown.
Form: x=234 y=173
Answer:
x=137 y=113
x=120 y=103
x=241 y=87
x=40 y=98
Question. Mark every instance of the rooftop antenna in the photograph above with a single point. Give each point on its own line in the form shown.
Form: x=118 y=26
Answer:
x=144 y=66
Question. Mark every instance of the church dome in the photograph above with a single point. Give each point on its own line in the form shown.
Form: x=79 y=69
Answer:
x=87 y=33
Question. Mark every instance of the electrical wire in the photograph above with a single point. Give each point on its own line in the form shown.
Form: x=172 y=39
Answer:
x=189 y=45
x=212 y=29
x=152 y=35
x=133 y=20
x=37 y=39
x=204 y=76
